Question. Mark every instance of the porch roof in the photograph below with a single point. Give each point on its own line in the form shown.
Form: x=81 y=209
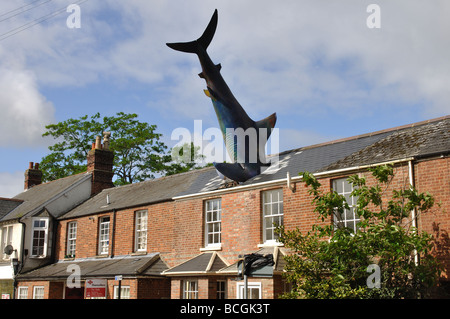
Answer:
x=128 y=265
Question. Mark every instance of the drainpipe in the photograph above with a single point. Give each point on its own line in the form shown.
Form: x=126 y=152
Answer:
x=113 y=233
x=413 y=212
x=22 y=258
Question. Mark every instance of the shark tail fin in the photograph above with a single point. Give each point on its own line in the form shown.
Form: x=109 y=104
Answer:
x=203 y=41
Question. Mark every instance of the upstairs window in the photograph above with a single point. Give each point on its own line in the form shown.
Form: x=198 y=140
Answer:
x=141 y=231
x=71 y=238
x=349 y=218
x=272 y=203
x=103 y=238
x=39 y=238
x=213 y=221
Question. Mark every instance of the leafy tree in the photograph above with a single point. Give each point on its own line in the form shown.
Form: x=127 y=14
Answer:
x=184 y=158
x=332 y=261
x=139 y=154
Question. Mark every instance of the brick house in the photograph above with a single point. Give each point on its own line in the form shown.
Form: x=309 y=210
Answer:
x=29 y=220
x=181 y=236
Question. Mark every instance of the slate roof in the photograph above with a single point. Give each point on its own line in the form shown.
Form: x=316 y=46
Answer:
x=410 y=140
x=209 y=262
x=147 y=192
x=35 y=198
x=7 y=205
x=127 y=265
x=417 y=141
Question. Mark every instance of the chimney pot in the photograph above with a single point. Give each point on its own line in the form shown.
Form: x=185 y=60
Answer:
x=36 y=166
x=30 y=166
x=98 y=143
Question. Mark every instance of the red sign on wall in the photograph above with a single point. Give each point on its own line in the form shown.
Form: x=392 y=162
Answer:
x=96 y=288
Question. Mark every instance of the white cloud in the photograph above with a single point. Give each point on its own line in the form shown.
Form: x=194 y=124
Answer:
x=24 y=111
x=11 y=184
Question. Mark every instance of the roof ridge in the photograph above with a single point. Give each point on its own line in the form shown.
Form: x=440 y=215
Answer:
x=345 y=139
x=157 y=179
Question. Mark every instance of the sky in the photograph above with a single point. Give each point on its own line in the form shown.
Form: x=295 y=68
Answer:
x=329 y=69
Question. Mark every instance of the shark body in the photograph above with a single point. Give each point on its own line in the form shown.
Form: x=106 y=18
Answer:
x=230 y=113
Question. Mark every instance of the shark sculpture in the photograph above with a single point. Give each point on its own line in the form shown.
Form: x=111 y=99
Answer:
x=230 y=114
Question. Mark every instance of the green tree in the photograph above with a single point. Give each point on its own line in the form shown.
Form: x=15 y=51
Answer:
x=184 y=158
x=139 y=154
x=332 y=261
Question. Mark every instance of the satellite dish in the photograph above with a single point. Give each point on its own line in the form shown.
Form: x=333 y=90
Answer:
x=8 y=250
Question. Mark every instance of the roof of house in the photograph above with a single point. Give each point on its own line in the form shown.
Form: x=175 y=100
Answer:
x=204 y=263
x=34 y=199
x=417 y=139
x=7 y=205
x=127 y=265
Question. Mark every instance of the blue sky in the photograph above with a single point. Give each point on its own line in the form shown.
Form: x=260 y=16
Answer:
x=313 y=62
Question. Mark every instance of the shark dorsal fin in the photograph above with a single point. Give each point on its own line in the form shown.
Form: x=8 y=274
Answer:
x=268 y=123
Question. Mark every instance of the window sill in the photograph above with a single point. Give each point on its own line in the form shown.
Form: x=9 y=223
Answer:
x=37 y=257
x=212 y=248
x=139 y=252
x=271 y=244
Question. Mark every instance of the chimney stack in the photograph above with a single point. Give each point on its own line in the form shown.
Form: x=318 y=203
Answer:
x=33 y=176
x=100 y=162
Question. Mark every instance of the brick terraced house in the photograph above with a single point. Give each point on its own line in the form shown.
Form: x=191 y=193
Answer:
x=181 y=236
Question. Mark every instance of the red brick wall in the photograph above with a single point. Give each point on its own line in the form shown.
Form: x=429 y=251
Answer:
x=434 y=177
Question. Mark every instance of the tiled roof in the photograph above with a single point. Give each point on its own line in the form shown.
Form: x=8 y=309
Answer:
x=36 y=197
x=208 y=262
x=417 y=139
x=128 y=265
x=7 y=205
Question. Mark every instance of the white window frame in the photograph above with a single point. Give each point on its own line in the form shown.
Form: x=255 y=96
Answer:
x=71 y=238
x=6 y=239
x=22 y=292
x=190 y=289
x=124 y=292
x=38 y=292
x=42 y=230
x=140 y=236
x=103 y=235
x=213 y=222
x=269 y=216
x=346 y=191
x=250 y=286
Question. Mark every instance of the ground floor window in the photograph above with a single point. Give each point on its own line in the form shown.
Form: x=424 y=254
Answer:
x=221 y=289
x=38 y=292
x=22 y=293
x=190 y=289
x=124 y=292
x=253 y=290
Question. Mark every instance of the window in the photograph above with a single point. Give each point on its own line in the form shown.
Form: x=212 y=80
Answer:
x=141 y=231
x=39 y=241
x=272 y=213
x=6 y=239
x=124 y=292
x=38 y=292
x=71 y=238
x=221 y=289
x=22 y=293
x=213 y=213
x=190 y=289
x=103 y=243
x=349 y=218
x=253 y=290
